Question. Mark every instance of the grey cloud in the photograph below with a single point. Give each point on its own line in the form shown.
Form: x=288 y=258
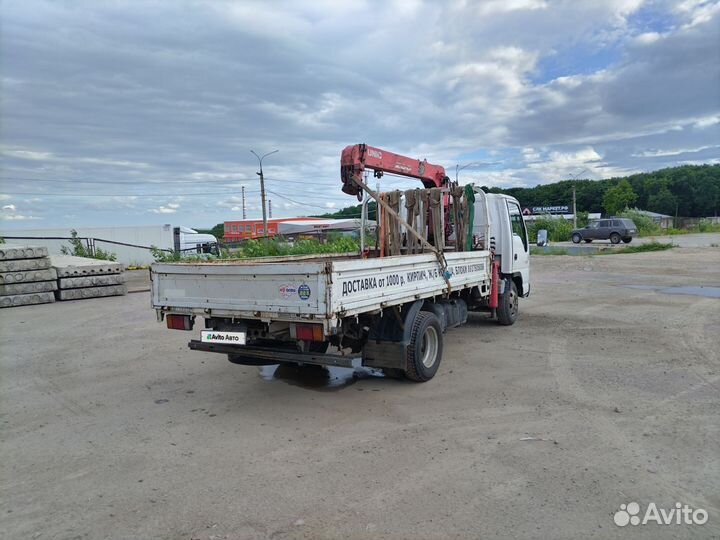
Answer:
x=169 y=97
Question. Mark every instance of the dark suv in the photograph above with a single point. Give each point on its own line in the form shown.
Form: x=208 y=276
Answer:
x=613 y=229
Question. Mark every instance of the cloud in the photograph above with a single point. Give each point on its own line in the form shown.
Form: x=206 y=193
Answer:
x=9 y=212
x=707 y=121
x=169 y=209
x=17 y=217
x=674 y=151
x=160 y=105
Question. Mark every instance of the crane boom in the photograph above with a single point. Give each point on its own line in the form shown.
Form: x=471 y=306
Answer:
x=356 y=158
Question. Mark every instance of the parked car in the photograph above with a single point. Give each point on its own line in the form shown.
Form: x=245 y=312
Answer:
x=613 y=229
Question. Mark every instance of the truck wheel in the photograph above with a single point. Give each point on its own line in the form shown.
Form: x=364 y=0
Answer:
x=507 y=310
x=615 y=238
x=576 y=238
x=424 y=351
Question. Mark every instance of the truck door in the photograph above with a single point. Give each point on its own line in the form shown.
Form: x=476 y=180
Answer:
x=520 y=245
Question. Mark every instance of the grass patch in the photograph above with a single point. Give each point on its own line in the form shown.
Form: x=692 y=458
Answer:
x=548 y=251
x=558 y=228
x=270 y=247
x=642 y=248
x=277 y=247
x=706 y=226
x=78 y=249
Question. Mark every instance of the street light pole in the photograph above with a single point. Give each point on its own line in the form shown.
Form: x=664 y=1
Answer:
x=458 y=168
x=262 y=188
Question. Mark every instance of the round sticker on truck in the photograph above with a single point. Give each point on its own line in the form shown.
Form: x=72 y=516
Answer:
x=287 y=290
x=304 y=291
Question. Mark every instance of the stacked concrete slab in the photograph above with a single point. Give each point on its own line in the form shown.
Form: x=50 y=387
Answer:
x=26 y=276
x=80 y=278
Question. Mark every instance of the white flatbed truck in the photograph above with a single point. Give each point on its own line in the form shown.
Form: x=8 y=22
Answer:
x=384 y=312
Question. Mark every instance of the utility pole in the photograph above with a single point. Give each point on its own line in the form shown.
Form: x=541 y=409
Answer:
x=262 y=187
x=574 y=208
x=270 y=208
x=574 y=179
x=243 y=203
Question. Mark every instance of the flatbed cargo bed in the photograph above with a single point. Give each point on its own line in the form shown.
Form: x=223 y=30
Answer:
x=311 y=287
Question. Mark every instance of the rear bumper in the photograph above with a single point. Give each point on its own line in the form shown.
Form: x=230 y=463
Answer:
x=270 y=355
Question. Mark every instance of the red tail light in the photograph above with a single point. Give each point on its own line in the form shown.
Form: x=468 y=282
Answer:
x=179 y=322
x=309 y=332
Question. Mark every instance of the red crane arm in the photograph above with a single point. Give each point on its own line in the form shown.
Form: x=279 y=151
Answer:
x=355 y=159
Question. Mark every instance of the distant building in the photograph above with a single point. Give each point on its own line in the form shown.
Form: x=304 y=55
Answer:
x=246 y=229
x=663 y=220
x=131 y=244
x=530 y=217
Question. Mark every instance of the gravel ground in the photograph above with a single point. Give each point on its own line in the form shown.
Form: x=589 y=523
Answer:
x=605 y=391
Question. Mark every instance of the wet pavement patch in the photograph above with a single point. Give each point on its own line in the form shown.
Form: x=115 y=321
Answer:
x=321 y=378
x=694 y=290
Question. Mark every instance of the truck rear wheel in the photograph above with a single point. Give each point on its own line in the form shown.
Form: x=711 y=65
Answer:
x=507 y=310
x=424 y=351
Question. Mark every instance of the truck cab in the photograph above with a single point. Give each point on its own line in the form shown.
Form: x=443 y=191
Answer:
x=508 y=234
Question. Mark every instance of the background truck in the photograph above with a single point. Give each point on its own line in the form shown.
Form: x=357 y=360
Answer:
x=440 y=252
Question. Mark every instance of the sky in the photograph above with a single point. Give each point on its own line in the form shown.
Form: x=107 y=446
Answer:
x=122 y=112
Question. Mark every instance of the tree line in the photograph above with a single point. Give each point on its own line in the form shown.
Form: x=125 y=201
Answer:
x=686 y=191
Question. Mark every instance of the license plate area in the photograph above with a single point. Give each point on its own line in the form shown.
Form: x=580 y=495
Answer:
x=220 y=336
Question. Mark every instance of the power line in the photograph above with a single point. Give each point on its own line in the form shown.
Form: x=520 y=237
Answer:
x=297 y=202
x=165 y=195
x=141 y=182
x=151 y=195
x=117 y=182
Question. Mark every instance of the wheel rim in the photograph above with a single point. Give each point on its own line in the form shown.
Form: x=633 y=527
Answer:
x=429 y=346
x=513 y=301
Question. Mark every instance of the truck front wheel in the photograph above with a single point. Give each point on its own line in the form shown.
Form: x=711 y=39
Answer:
x=424 y=351
x=507 y=310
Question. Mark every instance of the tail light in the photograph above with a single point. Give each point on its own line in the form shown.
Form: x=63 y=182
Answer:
x=309 y=332
x=179 y=322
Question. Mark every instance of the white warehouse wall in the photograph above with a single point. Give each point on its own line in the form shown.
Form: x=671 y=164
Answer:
x=160 y=236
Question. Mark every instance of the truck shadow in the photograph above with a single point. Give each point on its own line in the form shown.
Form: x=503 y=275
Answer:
x=319 y=378
x=480 y=319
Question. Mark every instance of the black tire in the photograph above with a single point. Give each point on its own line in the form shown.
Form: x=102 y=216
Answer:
x=424 y=352
x=627 y=240
x=576 y=238
x=507 y=310
x=394 y=373
x=588 y=240
x=615 y=238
